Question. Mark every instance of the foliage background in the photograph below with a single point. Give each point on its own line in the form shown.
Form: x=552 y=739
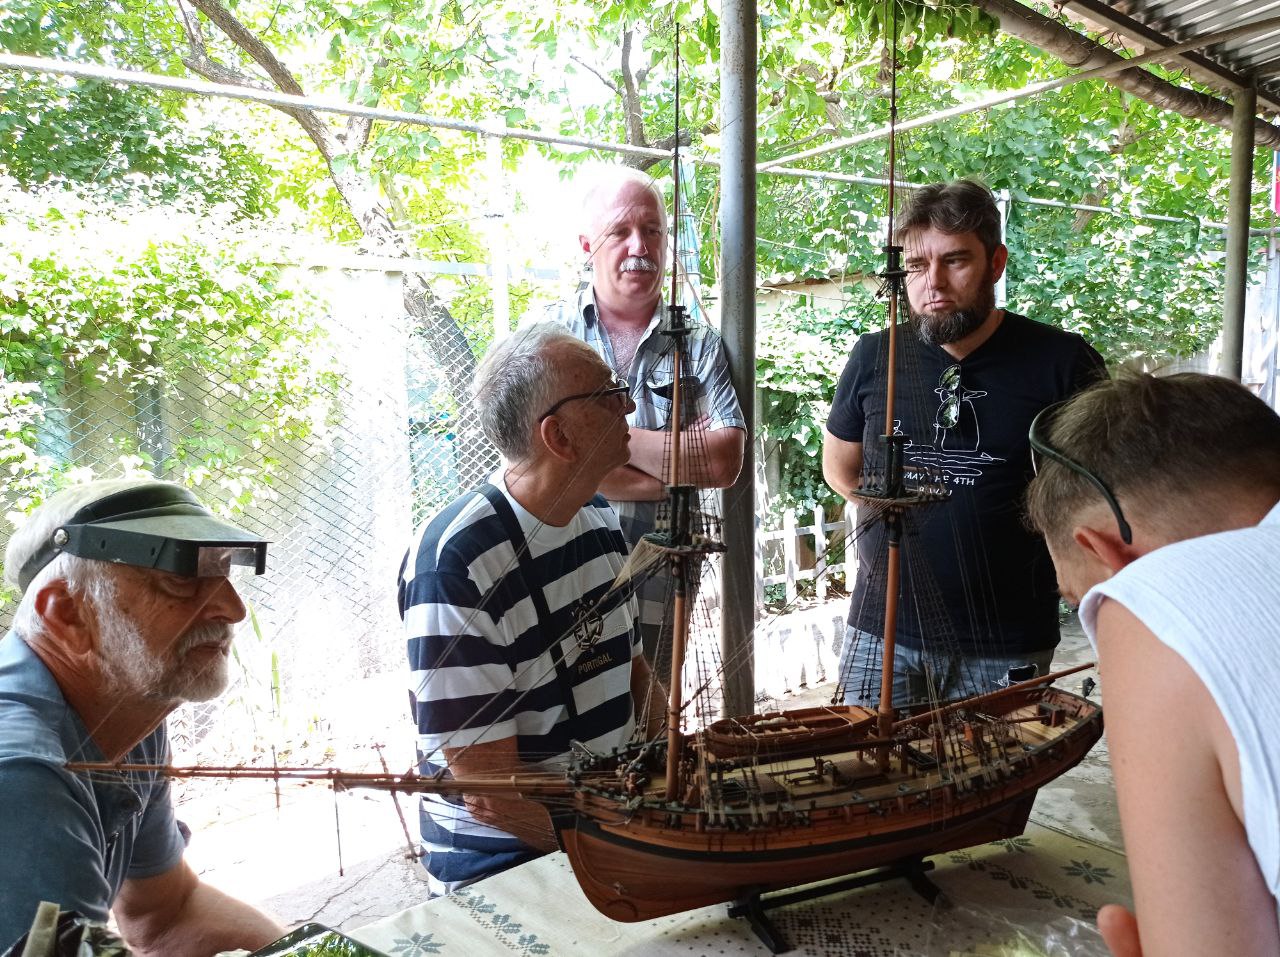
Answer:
x=1142 y=291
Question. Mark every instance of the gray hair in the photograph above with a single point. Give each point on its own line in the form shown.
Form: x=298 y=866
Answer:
x=84 y=576
x=515 y=384
x=607 y=181
x=961 y=206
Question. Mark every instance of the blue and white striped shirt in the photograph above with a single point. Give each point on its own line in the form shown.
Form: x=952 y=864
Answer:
x=484 y=667
x=650 y=376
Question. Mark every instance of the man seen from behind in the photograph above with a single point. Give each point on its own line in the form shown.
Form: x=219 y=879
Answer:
x=1160 y=502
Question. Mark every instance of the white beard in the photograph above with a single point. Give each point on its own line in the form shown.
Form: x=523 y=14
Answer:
x=133 y=668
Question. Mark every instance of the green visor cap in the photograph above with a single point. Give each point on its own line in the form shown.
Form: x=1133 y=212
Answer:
x=158 y=526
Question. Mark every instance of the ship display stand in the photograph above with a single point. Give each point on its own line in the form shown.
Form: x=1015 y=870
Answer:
x=753 y=907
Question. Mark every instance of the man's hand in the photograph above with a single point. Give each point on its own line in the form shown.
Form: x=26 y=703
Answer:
x=174 y=914
x=1119 y=929
x=527 y=820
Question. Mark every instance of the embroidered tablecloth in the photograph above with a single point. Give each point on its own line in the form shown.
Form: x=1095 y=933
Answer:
x=1023 y=897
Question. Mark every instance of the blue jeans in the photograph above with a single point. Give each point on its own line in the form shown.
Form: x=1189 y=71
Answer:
x=921 y=675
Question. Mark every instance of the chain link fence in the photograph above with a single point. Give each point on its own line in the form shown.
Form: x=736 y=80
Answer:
x=390 y=443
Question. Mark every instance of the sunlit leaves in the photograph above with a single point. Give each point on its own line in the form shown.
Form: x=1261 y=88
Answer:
x=152 y=312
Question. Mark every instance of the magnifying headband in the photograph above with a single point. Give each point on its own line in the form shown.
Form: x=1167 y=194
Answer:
x=159 y=526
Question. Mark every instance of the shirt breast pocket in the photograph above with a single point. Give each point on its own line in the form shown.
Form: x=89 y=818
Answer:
x=693 y=398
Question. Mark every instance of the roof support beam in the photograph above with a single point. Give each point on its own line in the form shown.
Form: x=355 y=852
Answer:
x=1077 y=50
x=1200 y=67
x=738 y=51
x=1270 y=68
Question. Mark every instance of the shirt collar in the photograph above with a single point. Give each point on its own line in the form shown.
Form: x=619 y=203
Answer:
x=590 y=312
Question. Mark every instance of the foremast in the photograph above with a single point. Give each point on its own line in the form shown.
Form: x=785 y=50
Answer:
x=680 y=497
x=684 y=540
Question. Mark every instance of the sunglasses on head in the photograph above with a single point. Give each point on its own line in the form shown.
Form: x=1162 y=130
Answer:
x=1039 y=444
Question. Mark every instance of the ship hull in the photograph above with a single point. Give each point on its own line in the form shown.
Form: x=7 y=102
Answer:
x=630 y=880
x=638 y=864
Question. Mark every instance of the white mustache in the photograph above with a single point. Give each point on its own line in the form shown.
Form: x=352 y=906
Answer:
x=212 y=633
x=638 y=264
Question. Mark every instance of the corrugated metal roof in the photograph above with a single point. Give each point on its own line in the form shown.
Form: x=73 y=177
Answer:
x=1161 y=22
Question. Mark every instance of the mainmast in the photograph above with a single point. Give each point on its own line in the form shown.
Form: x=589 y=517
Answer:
x=894 y=493
x=893 y=444
x=680 y=495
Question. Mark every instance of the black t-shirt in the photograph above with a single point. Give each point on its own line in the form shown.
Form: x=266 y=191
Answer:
x=971 y=568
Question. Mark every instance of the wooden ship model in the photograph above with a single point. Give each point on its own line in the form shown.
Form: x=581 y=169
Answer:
x=750 y=804
x=766 y=801
x=773 y=800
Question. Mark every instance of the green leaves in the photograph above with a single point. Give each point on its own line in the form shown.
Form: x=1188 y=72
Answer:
x=143 y=320
x=800 y=351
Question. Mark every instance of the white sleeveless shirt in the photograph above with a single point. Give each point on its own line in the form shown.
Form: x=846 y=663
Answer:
x=1215 y=600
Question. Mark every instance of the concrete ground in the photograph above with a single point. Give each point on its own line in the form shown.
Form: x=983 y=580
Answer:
x=342 y=859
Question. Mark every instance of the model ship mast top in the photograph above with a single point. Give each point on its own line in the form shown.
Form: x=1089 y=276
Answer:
x=892 y=495
x=679 y=539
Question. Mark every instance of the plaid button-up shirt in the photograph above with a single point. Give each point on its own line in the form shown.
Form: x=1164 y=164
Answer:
x=650 y=377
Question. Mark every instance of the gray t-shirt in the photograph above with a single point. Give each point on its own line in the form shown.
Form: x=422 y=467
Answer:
x=70 y=838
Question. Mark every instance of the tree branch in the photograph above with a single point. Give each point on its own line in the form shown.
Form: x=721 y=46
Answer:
x=247 y=40
x=631 y=98
x=356 y=135
x=666 y=143
x=598 y=75
x=201 y=63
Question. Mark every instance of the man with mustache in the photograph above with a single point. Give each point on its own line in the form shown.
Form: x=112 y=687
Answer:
x=621 y=314
x=126 y=612
x=978 y=606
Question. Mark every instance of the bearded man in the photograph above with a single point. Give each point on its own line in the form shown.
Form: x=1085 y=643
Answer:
x=126 y=612
x=970 y=378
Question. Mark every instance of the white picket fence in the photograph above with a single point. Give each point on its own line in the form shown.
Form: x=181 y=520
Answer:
x=790 y=534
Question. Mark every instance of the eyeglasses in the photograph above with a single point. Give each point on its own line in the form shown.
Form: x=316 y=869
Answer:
x=949 y=388
x=1038 y=444
x=618 y=387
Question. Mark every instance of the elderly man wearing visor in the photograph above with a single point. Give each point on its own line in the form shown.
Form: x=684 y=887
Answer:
x=126 y=612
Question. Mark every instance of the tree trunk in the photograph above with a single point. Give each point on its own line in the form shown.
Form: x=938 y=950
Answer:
x=434 y=322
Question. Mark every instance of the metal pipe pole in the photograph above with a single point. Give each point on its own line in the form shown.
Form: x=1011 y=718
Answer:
x=497 y=230
x=1003 y=199
x=738 y=326
x=1231 y=361
x=317 y=104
